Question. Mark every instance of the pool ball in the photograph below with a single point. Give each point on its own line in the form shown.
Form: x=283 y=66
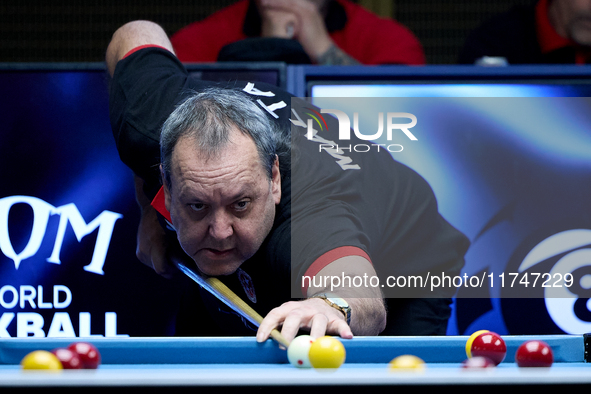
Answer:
x=534 y=354
x=326 y=352
x=297 y=352
x=490 y=345
x=407 y=363
x=89 y=355
x=68 y=358
x=478 y=363
x=470 y=340
x=41 y=359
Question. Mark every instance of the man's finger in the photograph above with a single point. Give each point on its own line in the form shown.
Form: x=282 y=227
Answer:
x=273 y=320
x=318 y=326
x=341 y=329
x=292 y=324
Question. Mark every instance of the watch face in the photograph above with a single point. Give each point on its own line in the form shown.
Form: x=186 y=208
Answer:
x=339 y=301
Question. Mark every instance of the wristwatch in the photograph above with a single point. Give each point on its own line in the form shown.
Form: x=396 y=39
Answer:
x=337 y=303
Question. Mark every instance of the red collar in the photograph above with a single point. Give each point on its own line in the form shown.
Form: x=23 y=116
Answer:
x=159 y=205
x=549 y=39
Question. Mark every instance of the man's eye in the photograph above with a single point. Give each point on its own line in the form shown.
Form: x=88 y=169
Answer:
x=197 y=207
x=241 y=205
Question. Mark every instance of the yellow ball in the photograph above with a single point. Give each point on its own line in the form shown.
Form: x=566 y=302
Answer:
x=408 y=363
x=470 y=341
x=326 y=352
x=41 y=359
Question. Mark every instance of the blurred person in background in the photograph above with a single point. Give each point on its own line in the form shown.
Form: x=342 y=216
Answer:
x=546 y=32
x=327 y=32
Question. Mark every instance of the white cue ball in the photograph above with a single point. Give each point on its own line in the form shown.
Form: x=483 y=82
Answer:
x=297 y=352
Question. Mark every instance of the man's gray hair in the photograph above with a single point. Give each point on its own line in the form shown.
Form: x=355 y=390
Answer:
x=208 y=118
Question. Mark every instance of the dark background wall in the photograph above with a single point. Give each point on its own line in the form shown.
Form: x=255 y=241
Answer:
x=79 y=30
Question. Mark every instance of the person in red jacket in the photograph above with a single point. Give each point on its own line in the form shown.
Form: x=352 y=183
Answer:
x=545 y=32
x=328 y=32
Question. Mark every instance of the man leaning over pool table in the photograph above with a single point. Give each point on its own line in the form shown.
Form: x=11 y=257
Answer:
x=213 y=160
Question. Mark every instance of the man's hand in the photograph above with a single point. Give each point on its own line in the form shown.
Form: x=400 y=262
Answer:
x=151 y=238
x=278 y=24
x=313 y=315
x=368 y=313
x=308 y=23
x=152 y=244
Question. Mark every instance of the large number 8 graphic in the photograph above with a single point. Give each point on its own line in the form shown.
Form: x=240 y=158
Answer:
x=568 y=306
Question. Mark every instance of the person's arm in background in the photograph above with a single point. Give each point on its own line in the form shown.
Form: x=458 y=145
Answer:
x=303 y=21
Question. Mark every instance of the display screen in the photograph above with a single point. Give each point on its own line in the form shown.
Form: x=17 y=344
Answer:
x=68 y=216
x=523 y=89
x=271 y=73
x=510 y=163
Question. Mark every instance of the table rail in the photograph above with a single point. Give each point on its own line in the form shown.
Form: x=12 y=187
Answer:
x=245 y=350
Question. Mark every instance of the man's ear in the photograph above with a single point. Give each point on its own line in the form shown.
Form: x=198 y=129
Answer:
x=166 y=188
x=276 y=181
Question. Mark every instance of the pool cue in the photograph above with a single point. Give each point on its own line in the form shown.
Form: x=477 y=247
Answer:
x=228 y=297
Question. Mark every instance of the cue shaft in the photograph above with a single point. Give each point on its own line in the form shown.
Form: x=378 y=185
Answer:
x=223 y=289
x=228 y=297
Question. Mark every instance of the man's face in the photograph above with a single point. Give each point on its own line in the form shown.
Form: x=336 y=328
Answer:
x=223 y=206
x=574 y=20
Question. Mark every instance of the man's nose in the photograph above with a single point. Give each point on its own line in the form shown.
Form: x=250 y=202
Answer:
x=220 y=226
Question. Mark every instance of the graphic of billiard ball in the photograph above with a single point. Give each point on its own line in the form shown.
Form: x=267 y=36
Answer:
x=298 y=350
x=534 y=354
x=327 y=352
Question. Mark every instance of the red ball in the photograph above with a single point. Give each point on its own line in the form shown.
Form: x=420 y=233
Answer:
x=68 y=358
x=478 y=363
x=534 y=354
x=489 y=345
x=89 y=355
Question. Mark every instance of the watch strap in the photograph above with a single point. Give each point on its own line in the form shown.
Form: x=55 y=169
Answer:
x=346 y=311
